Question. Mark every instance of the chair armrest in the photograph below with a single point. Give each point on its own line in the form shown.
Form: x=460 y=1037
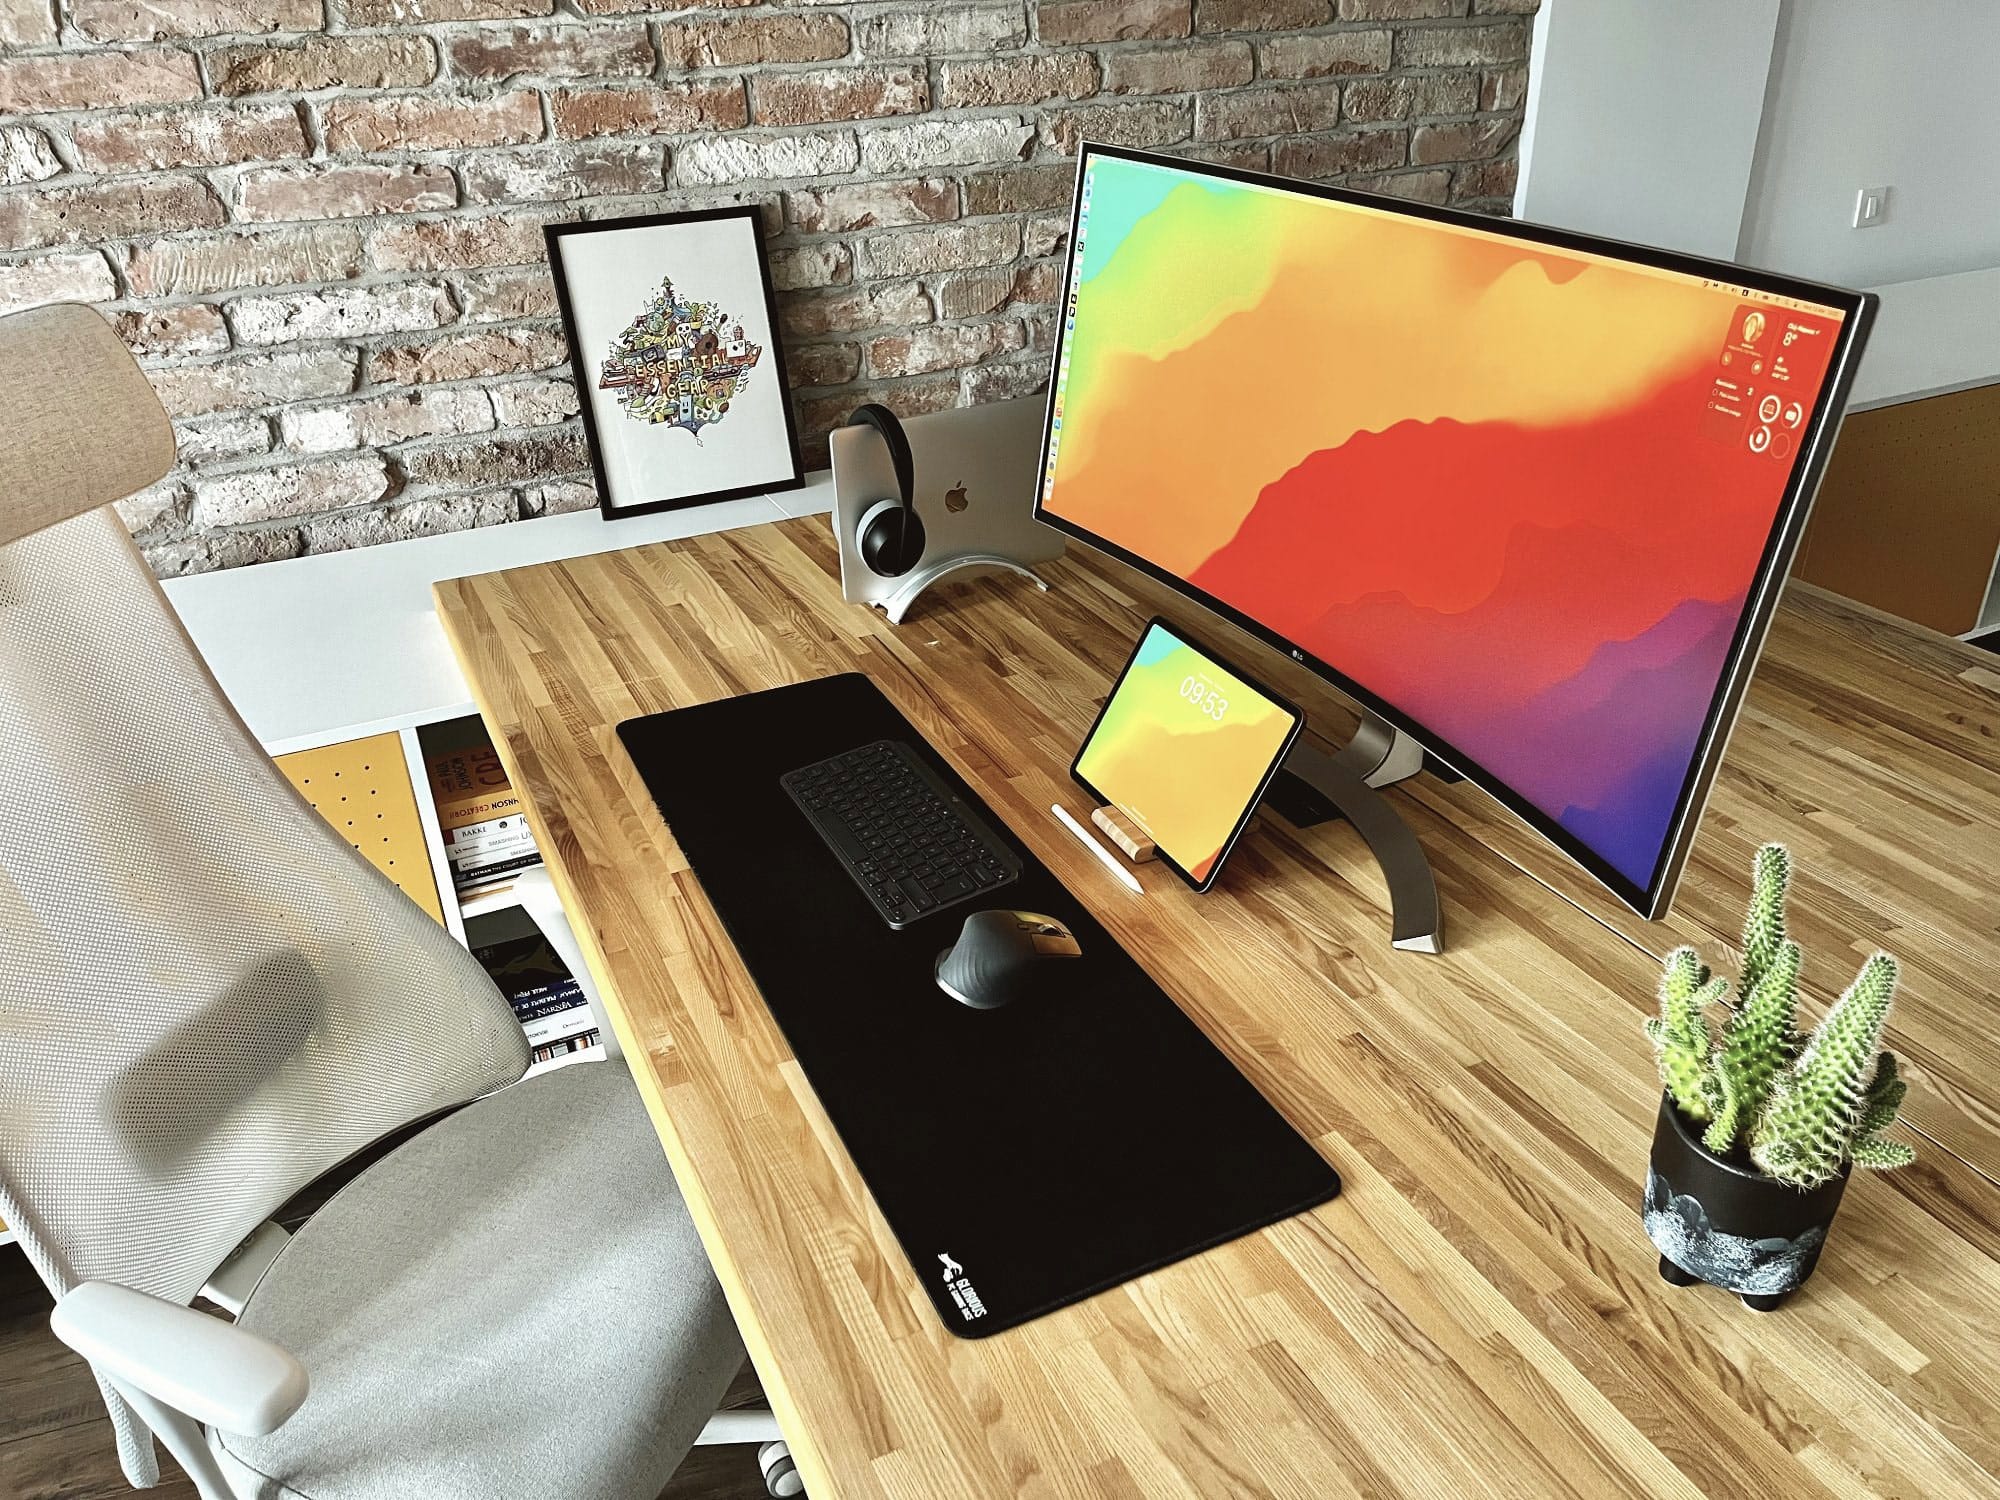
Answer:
x=213 y=1371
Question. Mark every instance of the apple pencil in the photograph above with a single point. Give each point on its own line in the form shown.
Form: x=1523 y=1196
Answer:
x=1104 y=856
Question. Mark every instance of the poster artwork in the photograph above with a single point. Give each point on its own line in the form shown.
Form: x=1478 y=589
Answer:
x=680 y=362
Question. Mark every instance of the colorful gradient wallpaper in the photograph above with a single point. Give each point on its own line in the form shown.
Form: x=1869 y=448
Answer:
x=1520 y=494
x=1184 y=746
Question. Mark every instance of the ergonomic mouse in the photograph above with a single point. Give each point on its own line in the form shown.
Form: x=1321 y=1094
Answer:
x=999 y=957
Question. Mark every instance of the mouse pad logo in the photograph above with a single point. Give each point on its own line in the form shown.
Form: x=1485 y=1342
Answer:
x=954 y=498
x=959 y=1286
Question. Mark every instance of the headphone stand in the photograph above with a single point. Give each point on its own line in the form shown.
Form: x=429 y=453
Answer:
x=898 y=603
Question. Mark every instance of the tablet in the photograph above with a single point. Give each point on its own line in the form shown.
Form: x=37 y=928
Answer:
x=1185 y=746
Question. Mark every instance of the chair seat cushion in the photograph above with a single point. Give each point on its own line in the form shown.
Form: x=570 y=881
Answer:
x=514 y=1303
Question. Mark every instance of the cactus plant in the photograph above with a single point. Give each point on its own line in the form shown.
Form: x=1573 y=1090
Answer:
x=1757 y=1046
x=1885 y=1098
x=1680 y=1034
x=1800 y=1108
x=1764 y=923
x=1809 y=1129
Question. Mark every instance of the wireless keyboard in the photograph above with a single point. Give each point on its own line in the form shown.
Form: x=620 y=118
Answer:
x=912 y=846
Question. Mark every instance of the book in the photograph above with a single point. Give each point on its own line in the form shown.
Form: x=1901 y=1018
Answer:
x=486 y=834
x=546 y=998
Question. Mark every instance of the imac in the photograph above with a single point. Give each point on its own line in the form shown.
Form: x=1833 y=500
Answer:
x=1527 y=496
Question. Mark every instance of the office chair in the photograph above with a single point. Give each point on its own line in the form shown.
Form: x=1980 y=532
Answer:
x=207 y=1000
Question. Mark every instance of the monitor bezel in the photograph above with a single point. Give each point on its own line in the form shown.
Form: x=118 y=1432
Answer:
x=1651 y=899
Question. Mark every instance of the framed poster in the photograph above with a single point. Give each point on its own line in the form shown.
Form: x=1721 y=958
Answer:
x=673 y=343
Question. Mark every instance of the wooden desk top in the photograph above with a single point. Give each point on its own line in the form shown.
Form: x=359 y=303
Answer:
x=1479 y=1312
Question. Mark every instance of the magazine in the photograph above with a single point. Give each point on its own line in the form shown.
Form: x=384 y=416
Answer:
x=546 y=998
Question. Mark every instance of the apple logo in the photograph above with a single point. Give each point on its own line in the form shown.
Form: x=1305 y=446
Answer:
x=954 y=498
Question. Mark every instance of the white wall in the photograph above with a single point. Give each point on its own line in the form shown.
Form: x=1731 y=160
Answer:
x=1743 y=129
x=1865 y=93
x=1642 y=118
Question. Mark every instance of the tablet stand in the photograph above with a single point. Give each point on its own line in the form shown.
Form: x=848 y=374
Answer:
x=1126 y=832
x=1315 y=786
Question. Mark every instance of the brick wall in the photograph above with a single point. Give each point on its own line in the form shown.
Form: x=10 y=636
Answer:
x=318 y=222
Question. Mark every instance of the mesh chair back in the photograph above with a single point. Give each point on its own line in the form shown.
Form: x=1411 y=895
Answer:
x=207 y=998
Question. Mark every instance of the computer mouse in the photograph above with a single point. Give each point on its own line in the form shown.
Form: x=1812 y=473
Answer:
x=1001 y=957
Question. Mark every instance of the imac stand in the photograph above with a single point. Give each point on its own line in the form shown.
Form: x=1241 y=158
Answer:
x=1315 y=786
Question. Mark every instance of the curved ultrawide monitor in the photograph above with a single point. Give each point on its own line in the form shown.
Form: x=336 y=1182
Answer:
x=1528 y=495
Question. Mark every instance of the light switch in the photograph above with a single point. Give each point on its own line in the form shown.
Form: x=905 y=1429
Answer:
x=1871 y=206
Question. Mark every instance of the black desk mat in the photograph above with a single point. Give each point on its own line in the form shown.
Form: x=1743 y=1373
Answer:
x=1025 y=1157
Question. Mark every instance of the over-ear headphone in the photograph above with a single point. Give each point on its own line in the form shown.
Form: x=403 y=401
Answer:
x=890 y=533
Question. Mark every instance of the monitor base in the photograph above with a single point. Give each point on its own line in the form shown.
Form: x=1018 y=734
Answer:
x=1315 y=786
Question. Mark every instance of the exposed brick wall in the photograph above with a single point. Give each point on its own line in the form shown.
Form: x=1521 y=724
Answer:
x=318 y=222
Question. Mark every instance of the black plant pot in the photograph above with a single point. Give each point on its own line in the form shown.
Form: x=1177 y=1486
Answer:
x=1726 y=1223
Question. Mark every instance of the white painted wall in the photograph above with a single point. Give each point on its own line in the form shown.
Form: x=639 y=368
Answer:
x=1865 y=93
x=1642 y=118
x=1742 y=129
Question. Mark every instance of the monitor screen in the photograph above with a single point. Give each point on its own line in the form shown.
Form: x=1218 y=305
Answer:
x=1523 y=493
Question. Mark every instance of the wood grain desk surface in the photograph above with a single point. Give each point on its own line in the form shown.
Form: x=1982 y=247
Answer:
x=1479 y=1312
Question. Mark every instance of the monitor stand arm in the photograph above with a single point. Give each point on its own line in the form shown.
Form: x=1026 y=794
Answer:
x=1314 y=786
x=1380 y=753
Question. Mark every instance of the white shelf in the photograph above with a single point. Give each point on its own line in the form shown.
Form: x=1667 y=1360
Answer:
x=311 y=645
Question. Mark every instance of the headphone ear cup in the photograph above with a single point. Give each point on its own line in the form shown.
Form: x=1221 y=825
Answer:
x=890 y=534
x=891 y=539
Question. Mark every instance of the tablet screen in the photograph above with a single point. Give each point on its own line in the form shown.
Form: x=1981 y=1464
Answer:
x=1185 y=746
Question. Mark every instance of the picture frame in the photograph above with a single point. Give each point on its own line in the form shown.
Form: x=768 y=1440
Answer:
x=680 y=377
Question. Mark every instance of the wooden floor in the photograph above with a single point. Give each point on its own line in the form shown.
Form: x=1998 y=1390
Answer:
x=55 y=1440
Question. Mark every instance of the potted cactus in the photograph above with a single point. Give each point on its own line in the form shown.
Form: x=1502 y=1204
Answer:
x=1761 y=1125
